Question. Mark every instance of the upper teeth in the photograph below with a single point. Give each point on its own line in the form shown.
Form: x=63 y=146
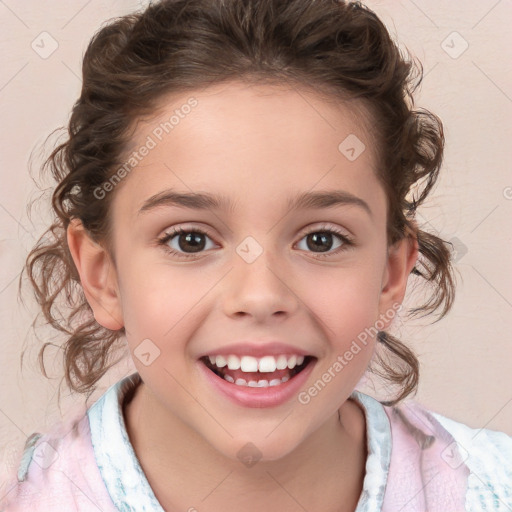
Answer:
x=254 y=364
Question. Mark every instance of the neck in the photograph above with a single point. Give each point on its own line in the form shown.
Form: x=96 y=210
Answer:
x=324 y=473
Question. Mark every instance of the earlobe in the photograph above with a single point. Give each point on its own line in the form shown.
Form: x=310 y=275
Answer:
x=97 y=276
x=401 y=260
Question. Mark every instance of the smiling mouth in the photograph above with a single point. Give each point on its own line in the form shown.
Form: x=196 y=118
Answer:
x=247 y=371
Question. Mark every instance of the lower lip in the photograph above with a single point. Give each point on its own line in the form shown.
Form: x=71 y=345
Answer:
x=270 y=396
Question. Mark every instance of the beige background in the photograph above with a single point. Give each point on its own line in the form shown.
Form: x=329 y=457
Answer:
x=465 y=359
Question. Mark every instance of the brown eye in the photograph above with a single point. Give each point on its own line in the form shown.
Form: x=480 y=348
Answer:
x=186 y=242
x=319 y=242
x=191 y=242
x=324 y=242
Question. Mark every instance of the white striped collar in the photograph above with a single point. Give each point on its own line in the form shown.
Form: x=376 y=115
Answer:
x=128 y=486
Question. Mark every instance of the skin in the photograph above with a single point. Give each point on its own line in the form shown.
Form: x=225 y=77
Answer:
x=257 y=145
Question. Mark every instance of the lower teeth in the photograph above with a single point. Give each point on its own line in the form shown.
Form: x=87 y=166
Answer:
x=260 y=383
x=263 y=383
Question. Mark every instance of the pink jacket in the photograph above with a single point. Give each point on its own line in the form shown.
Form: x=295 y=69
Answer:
x=418 y=461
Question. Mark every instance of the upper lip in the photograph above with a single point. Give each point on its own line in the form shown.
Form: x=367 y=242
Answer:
x=274 y=348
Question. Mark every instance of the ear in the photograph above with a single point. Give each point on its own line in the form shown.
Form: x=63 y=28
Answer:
x=97 y=275
x=401 y=258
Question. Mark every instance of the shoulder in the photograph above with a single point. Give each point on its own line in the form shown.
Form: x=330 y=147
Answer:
x=81 y=463
x=57 y=471
x=488 y=456
x=475 y=461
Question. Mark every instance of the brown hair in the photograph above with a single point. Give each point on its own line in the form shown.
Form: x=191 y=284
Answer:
x=182 y=45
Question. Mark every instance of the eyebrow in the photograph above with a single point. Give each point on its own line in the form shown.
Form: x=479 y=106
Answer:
x=205 y=201
x=327 y=199
x=192 y=200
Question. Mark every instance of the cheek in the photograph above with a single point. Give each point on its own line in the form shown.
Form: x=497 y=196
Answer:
x=156 y=297
x=346 y=300
x=162 y=308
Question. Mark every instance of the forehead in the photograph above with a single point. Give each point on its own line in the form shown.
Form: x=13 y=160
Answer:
x=250 y=139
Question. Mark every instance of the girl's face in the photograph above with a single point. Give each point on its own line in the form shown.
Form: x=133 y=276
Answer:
x=283 y=252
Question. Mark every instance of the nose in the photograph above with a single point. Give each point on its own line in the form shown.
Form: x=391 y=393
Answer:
x=261 y=290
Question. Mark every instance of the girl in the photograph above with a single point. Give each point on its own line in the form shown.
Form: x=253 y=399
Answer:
x=237 y=201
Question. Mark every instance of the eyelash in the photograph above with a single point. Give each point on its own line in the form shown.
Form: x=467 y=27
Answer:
x=346 y=241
